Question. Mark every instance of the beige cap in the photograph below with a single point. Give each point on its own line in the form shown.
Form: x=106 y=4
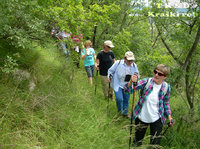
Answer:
x=109 y=44
x=129 y=55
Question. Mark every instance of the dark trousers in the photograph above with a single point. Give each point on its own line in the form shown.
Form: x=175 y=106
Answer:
x=155 y=130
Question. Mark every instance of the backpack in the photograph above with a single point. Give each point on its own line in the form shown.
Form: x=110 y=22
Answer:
x=148 y=84
x=115 y=69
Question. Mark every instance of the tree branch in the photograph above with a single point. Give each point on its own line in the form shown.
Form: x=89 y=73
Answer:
x=168 y=49
x=189 y=56
x=155 y=40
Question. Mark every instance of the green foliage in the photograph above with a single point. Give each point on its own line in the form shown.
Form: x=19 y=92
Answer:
x=9 y=66
x=122 y=43
x=59 y=113
x=20 y=27
x=62 y=112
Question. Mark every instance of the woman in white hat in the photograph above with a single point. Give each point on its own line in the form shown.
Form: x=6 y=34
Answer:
x=121 y=72
x=105 y=59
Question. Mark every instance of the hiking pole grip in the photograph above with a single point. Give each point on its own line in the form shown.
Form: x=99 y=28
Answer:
x=168 y=125
x=135 y=83
x=110 y=77
x=172 y=121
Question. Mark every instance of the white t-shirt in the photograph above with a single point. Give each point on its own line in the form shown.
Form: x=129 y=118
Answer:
x=149 y=112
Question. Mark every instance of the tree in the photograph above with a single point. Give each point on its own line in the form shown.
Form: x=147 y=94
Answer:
x=180 y=36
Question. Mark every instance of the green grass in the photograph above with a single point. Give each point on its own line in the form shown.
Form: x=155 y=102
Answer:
x=63 y=112
x=60 y=113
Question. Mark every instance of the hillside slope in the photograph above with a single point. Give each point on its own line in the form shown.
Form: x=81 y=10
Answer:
x=61 y=112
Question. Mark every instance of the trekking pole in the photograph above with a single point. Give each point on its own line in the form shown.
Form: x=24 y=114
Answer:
x=108 y=96
x=131 y=126
x=168 y=125
x=96 y=83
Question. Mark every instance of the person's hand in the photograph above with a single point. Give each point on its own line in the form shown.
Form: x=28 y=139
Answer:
x=171 y=121
x=109 y=80
x=134 y=78
x=97 y=67
x=83 y=46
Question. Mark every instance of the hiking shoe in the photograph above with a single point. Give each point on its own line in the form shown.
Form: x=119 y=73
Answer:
x=111 y=97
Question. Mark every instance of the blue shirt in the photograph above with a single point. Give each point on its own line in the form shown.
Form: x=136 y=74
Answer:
x=89 y=59
x=118 y=71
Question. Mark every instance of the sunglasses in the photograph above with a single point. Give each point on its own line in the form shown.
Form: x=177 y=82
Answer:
x=130 y=61
x=160 y=74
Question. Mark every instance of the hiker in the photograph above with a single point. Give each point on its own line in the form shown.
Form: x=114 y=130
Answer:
x=54 y=32
x=121 y=72
x=88 y=55
x=105 y=59
x=153 y=106
x=62 y=36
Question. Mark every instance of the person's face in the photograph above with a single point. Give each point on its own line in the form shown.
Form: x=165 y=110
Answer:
x=107 y=48
x=158 y=76
x=128 y=62
x=87 y=45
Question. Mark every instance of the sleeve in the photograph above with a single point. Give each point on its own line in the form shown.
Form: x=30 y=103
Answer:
x=140 y=85
x=113 y=56
x=93 y=52
x=113 y=68
x=167 y=110
x=99 y=55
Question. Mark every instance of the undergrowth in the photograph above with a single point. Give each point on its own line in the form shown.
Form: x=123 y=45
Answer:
x=64 y=112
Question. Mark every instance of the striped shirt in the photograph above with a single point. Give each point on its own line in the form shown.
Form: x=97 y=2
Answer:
x=163 y=106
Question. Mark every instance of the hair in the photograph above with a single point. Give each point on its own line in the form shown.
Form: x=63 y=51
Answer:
x=163 y=68
x=88 y=42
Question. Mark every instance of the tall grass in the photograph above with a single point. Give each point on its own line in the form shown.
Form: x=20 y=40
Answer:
x=63 y=112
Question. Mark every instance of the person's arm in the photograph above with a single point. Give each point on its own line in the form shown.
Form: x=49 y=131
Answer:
x=58 y=37
x=113 y=60
x=112 y=70
x=82 y=45
x=134 y=78
x=128 y=88
x=113 y=57
x=97 y=64
x=83 y=55
x=167 y=109
x=94 y=55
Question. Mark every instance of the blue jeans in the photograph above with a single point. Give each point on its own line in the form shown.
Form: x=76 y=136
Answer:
x=122 y=100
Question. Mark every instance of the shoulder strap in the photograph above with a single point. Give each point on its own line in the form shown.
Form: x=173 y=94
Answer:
x=117 y=66
x=148 y=84
x=166 y=88
x=119 y=62
x=145 y=87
